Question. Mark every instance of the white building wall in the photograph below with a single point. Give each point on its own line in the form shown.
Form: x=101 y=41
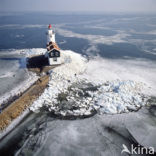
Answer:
x=53 y=37
x=53 y=62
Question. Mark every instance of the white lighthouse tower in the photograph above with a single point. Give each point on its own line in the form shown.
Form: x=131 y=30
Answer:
x=53 y=51
x=50 y=35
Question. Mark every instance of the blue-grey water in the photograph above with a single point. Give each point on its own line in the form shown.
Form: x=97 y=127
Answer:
x=28 y=31
x=120 y=36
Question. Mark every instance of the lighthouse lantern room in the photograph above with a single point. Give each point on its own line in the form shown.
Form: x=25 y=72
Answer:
x=53 y=51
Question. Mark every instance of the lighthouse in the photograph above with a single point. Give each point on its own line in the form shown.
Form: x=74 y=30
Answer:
x=50 y=35
x=53 y=51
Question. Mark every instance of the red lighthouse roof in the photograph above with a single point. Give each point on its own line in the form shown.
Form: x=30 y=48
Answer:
x=49 y=26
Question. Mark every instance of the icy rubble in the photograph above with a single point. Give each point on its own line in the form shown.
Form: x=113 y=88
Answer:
x=120 y=96
x=68 y=94
x=60 y=79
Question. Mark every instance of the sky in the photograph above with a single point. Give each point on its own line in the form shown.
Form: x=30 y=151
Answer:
x=146 y=6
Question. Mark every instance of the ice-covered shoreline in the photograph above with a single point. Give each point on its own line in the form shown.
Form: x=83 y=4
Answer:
x=25 y=83
x=80 y=87
x=19 y=89
x=65 y=97
x=14 y=75
x=14 y=123
x=121 y=85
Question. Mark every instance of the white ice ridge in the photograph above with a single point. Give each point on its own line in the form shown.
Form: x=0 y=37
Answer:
x=61 y=78
x=73 y=90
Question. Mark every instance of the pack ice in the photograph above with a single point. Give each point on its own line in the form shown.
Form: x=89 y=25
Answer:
x=71 y=93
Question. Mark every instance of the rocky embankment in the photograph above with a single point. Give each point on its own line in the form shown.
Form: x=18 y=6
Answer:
x=16 y=106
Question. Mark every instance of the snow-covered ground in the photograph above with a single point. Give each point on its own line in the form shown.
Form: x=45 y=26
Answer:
x=80 y=87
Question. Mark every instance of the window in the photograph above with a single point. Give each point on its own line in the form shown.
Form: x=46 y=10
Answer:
x=57 y=54
x=55 y=59
x=54 y=53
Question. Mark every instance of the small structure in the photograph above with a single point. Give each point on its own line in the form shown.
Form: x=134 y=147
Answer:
x=53 y=51
x=44 y=62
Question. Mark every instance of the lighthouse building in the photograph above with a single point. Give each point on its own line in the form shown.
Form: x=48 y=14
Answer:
x=53 y=51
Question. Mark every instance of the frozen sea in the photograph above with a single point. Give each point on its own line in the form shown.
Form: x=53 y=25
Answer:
x=125 y=46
